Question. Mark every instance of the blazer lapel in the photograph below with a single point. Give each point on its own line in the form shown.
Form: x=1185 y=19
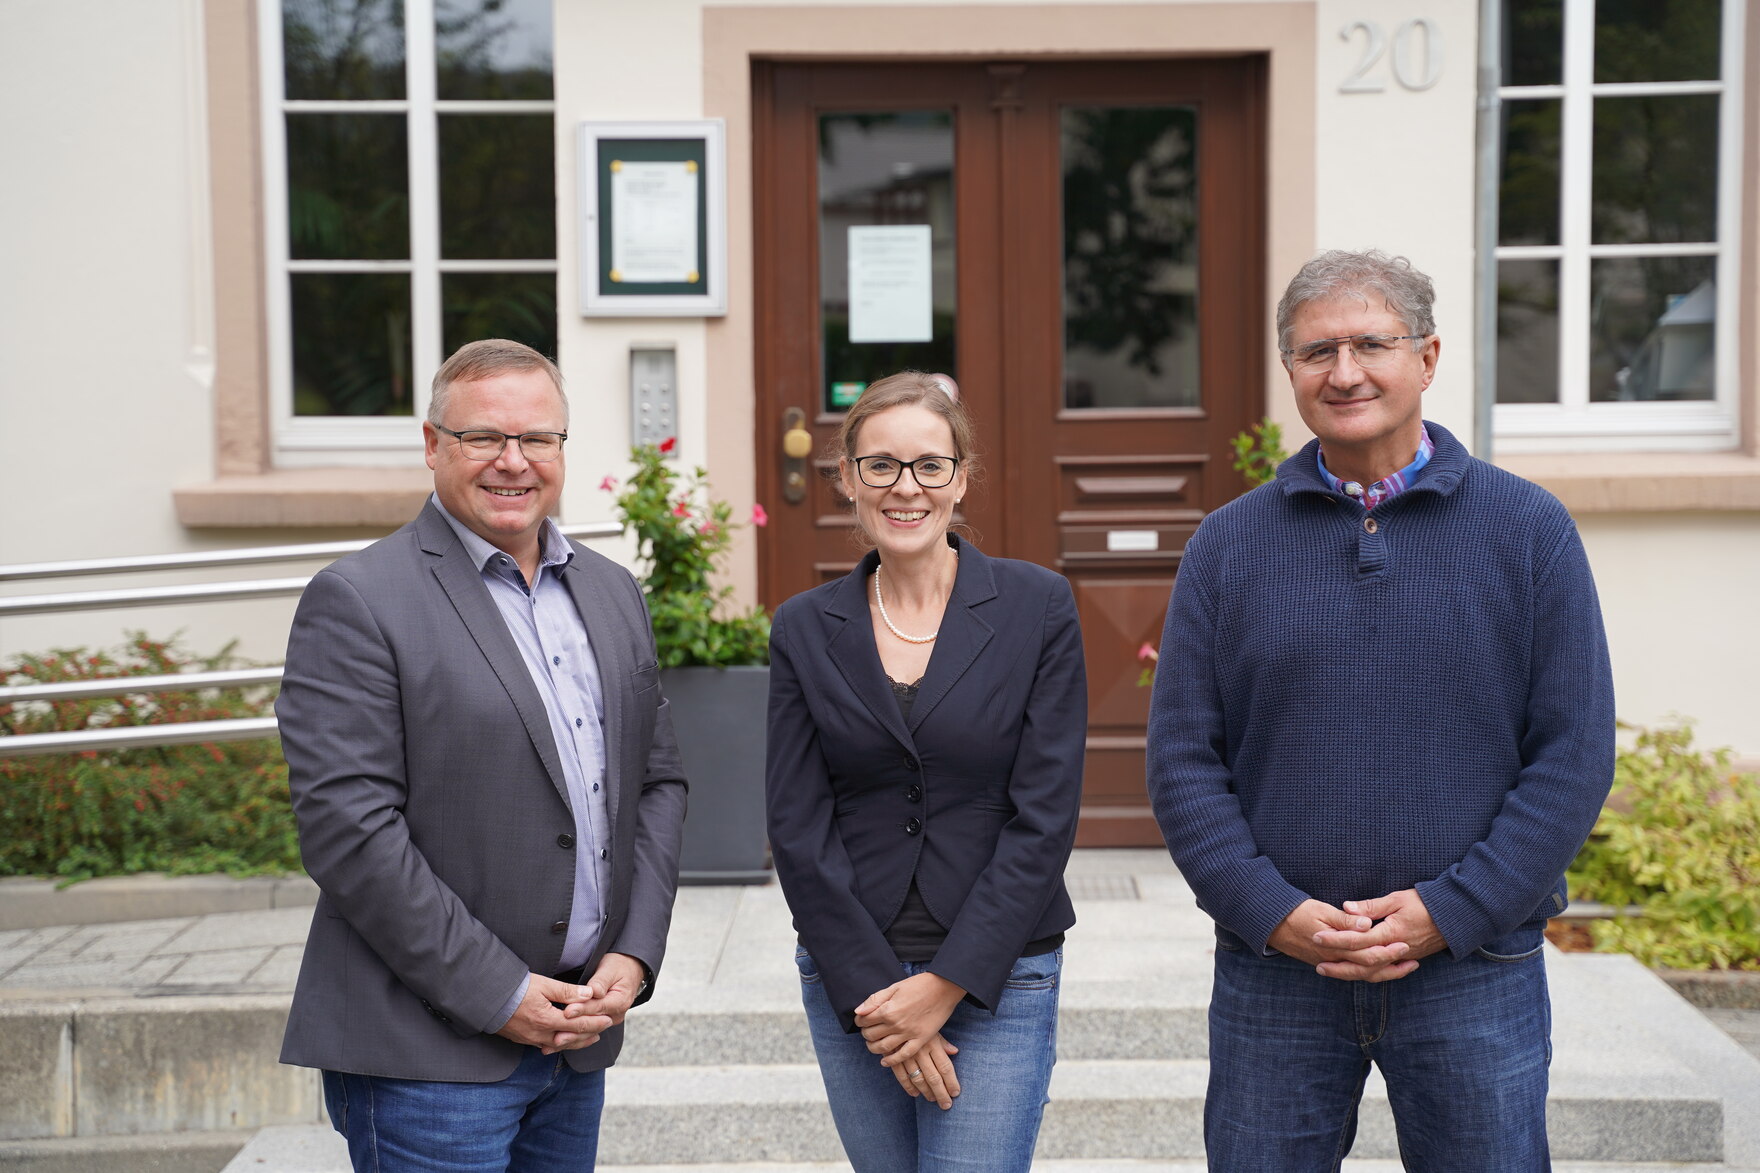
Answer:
x=851 y=648
x=463 y=584
x=594 y=605
x=963 y=634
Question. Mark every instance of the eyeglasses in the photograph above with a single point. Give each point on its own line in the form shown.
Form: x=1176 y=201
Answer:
x=1369 y=350
x=930 y=472
x=537 y=447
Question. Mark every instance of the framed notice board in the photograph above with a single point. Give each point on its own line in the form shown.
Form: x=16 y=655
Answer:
x=653 y=219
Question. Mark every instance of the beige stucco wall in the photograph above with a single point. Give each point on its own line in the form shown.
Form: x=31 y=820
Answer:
x=105 y=310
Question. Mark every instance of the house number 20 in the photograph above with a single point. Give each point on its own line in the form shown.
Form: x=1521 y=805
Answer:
x=1413 y=75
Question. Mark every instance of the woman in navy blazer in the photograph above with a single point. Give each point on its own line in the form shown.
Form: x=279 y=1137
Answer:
x=927 y=722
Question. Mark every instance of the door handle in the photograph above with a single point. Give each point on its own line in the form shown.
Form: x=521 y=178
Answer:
x=797 y=445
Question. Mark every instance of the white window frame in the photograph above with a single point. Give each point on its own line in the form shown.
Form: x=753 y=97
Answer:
x=1574 y=423
x=308 y=441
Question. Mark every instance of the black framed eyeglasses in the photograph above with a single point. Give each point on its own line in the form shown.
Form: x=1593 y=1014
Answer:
x=930 y=472
x=1367 y=349
x=480 y=444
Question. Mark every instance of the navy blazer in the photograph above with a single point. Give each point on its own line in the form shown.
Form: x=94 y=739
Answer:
x=977 y=798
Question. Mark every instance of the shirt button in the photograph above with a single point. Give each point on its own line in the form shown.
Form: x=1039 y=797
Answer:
x=912 y=826
x=560 y=926
x=556 y=659
x=914 y=792
x=1369 y=524
x=578 y=722
x=595 y=788
x=604 y=853
x=565 y=840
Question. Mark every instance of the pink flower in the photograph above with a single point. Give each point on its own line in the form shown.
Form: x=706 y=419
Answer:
x=1147 y=653
x=759 y=517
x=608 y=485
x=668 y=444
x=708 y=529
x=681 y=510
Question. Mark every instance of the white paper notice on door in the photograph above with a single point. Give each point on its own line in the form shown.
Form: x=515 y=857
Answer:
x=890 y=291
x=653 y=222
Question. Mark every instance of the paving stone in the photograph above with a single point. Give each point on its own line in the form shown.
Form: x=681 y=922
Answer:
x=281 y=970
x=234 y=930
x=226 y=967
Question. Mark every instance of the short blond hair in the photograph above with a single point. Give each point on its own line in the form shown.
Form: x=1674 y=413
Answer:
x=485 y=359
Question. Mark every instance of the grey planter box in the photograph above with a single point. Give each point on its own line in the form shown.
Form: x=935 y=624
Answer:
x=718 y=714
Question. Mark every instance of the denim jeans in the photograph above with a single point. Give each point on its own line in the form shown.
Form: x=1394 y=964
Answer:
x=544 y=1118
x=1463 y=1046
x=1003 y=1066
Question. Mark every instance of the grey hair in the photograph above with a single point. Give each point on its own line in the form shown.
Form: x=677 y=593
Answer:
x=1340 y=273
x=485 y=359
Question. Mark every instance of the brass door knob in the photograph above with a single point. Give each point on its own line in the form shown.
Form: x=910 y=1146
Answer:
x=797 y=443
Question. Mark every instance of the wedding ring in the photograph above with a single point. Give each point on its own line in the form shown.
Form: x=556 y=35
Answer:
x=917 y=1074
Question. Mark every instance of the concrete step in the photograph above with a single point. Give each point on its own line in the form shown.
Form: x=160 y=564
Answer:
x=178 y=1152
x=1100 y=1109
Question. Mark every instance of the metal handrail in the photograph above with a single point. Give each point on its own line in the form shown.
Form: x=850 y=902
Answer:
x=208 y=592
x=77 y=690
x=133 y=736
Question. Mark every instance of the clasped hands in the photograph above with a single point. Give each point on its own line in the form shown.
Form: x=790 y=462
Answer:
x=902 y=1024
x=1378 y=940
x=561 y=1016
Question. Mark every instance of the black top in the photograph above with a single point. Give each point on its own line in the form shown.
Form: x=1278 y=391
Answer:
x=914 y=933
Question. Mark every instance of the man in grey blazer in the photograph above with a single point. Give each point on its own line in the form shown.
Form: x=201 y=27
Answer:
x=489 y=797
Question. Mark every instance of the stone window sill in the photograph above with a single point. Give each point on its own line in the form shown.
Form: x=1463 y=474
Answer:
x=380 y=498
x=1644 y=482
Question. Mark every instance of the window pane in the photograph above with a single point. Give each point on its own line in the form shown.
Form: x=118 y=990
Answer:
x=351 y=344
x=497 y=187
x=1130 y=257
x=1527 y=332
x=1527 y=204
x=347 y=187
x=1657 y=40
x=1655 y=170
x=1653 y=328
x=520 y=306
x=493 y=48
x=343 y=49
x=1533 y=42
x=885 y=170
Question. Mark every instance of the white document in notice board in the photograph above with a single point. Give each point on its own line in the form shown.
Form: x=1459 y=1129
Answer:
x=653 y=222
x=890 y=290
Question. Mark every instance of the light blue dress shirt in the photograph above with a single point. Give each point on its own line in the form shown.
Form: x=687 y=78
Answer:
x=553 y=641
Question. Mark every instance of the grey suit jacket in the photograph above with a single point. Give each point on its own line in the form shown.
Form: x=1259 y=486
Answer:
x=432 y=812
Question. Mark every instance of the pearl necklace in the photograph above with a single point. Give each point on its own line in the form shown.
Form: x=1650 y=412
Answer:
x=880 y=602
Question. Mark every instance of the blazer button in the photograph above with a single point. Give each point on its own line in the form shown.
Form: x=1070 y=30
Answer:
x=914 y=792
x=910 y=763
x=565 y=840
x=912 y=826
x=560 y=926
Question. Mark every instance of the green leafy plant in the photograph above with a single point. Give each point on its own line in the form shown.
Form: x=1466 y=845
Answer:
x=210 y=807
x=1680 y=838
x=681 y=535
x=1257 y=453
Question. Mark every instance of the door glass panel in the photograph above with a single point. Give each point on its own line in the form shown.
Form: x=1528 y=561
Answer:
x=1130 y=256
x=1653 y=328
x=886 y=248
x=488 y=49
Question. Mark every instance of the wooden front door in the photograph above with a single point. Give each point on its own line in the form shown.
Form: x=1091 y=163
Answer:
x=1080 y=245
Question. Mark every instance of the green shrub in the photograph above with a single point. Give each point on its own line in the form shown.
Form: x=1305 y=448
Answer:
x=210 y=807
x=1258 y=452
x=1681 y=839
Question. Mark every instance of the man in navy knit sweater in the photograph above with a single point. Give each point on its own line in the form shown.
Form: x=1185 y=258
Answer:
x=1382 y=727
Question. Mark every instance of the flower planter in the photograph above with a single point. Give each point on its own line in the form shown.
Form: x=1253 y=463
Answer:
x=718 y=714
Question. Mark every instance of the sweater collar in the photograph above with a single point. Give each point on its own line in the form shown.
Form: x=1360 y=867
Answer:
x=1442 y=474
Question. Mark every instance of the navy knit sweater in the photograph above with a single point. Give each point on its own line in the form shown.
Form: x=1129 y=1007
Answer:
x=1340 y=713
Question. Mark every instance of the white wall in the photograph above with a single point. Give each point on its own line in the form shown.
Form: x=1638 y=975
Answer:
x=105 y=318
x=1678 y=592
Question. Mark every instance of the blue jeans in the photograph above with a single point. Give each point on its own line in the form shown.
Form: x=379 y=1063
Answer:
x=544 y=1118
x=1463 y=1046
x=1004 y=1070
